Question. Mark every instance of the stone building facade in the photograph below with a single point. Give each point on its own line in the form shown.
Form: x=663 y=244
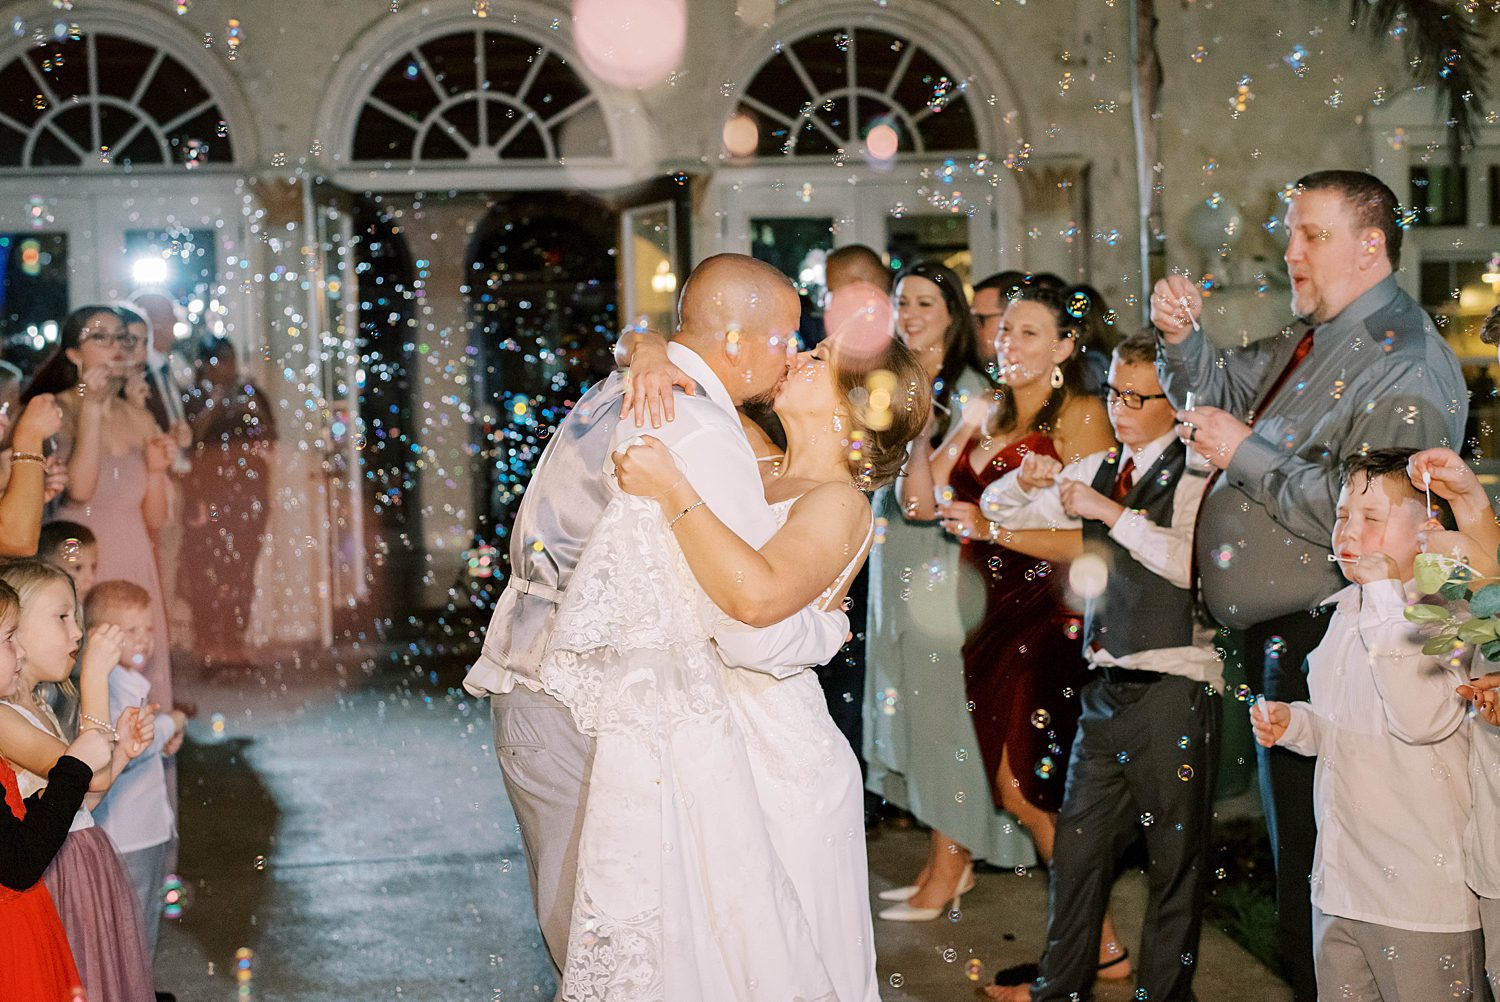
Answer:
x=422 y=220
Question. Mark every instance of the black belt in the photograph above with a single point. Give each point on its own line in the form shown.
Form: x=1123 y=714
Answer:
x=1128 y=676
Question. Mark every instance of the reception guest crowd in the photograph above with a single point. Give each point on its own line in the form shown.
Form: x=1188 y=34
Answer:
x=1269 y=493
x=99 y=499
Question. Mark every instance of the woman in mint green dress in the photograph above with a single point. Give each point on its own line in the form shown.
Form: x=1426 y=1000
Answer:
x=920 y=744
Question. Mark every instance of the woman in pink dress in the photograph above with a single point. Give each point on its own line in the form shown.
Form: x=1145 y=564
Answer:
x=117 y=458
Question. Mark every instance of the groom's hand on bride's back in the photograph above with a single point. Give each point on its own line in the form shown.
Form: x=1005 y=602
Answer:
x=649 y=380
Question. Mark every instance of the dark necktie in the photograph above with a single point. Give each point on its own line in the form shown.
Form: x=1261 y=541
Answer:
x=1124 y=480
x=1299 y=355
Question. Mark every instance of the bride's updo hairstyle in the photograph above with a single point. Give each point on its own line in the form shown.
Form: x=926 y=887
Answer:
x=889 y=399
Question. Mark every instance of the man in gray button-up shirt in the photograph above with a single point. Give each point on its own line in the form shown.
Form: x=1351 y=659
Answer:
x=1362 y=368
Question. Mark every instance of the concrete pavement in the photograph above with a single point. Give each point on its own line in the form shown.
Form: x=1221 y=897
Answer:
x=348 y=826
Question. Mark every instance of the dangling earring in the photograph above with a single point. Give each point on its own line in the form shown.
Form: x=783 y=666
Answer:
x=838 y=422
x=1057 y=377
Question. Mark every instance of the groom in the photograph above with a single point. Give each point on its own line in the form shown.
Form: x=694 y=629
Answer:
x=737 y=320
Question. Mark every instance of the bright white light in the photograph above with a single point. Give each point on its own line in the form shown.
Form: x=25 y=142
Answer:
x=149 y=270
x=180 y=331
x=49 y=330
x=1088 y=576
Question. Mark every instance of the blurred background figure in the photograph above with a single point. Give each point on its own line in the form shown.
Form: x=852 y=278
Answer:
x=226 y=499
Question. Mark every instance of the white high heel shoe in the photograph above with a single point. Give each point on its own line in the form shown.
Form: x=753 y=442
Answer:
x=904 y=912
x=966 y=885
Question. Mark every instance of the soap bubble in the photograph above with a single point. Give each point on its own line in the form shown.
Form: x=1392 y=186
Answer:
x=630 y=43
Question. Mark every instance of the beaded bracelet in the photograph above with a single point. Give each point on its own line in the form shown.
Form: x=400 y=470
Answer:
x=102 y=725
x=679 y=515
x=28 y=457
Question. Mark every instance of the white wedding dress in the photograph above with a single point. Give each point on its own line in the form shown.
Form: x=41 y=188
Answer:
x=722 y=852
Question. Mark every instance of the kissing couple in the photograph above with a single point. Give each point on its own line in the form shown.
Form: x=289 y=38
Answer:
x=692 y=819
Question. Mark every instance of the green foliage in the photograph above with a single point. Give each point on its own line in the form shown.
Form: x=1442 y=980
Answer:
x=1486 y=601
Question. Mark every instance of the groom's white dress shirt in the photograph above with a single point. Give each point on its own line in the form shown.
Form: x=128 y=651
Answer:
x=568 y=492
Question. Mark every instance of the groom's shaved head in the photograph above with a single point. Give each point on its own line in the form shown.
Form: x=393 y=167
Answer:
x=733 y=290
x=740 y=315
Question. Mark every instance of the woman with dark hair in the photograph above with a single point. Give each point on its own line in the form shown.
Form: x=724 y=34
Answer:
x=1023 y=666
x=920 y=747
x=117 y=461
x=228 y=492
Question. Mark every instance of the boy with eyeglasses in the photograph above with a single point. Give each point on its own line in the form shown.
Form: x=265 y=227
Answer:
x=1147 y=746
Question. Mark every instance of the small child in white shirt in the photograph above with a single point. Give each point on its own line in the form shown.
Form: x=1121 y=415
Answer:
x=137 y=812
x=1392 y=916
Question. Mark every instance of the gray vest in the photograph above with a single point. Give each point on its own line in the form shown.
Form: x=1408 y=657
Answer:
x=1139 y=611
x=567 y=494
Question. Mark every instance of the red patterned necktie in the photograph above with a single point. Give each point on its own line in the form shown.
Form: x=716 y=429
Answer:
x=1124 y=480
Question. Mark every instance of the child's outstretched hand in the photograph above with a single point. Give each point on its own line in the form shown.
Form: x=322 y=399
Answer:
x=1082 y=501
x=1270 y=721
x=1038 y=471
x=1484 y=693
x=103 y=649
x=174 y=743
x=136 y=729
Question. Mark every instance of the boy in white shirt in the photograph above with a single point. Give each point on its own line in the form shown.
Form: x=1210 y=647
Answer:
x=1392 y=916
x=1147 y=745
x=137 y=812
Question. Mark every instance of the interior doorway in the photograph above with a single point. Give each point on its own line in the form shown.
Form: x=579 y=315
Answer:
x=544 y=298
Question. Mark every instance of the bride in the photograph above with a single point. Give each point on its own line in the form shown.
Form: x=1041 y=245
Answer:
x=723 y=851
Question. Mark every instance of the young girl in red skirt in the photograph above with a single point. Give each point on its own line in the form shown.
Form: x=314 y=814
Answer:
x=35 y=960
x=86 y=880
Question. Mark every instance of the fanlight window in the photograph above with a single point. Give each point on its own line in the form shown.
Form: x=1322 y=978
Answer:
x=826 y=91
x=479 y=97
x=95 y=100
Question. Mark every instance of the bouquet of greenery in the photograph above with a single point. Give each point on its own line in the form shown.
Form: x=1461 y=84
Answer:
x=1472 y=615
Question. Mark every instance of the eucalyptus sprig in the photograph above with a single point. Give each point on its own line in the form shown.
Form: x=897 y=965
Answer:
x=1472 y=615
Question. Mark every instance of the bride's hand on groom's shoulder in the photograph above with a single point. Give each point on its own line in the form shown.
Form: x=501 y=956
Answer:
x=647 y=468
x=649 y=381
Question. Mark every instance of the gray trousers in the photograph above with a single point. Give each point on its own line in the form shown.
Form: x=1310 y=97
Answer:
x=1131 y=767
x=147 y=869
x=1365 y=962
x=545 y=761
x=1489 y=918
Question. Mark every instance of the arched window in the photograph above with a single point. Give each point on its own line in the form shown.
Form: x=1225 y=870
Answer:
x=479 y=97
x=826 y=91
x=92 y=100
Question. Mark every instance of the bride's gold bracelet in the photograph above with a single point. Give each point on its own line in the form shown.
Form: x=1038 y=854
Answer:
x=678 y=517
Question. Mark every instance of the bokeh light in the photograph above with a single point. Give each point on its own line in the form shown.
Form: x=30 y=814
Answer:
x=630 y=43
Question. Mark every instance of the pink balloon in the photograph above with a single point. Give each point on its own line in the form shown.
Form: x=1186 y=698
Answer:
x=630 y=43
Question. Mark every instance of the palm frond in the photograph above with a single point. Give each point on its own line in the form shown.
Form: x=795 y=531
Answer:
x=1446 y=52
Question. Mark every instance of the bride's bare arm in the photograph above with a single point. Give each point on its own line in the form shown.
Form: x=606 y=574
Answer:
x=756 y=587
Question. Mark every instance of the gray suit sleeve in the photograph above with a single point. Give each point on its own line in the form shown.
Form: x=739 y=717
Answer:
x=1301 y=496
x=1227 y=378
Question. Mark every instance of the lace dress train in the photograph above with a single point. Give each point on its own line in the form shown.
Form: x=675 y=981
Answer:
x=680 y=893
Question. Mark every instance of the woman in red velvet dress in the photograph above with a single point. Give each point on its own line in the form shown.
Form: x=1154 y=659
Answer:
x=1023 y=662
